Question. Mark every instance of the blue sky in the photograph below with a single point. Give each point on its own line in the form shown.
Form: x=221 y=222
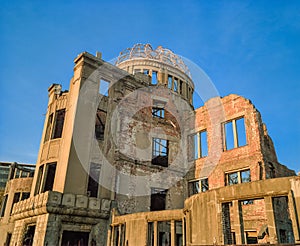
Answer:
x=249 y=48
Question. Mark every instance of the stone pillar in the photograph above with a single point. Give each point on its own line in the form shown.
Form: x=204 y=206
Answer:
x=238 y=222
x=271 y=220
x=293 y=214
x=155 y=233
x=173 y=233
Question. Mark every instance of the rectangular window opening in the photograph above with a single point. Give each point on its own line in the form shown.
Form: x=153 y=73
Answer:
x=154 y=77
x=16 y=199
x=198 y=186
x=3 y=205
x=59 y=123
x=158 y=109
x=48 y=128
x=93 y=182
x=170 y=82
x=100 y=124
x=49 y=177
x=175 y=85
x=234 y=134
x=29 y=235
x=164 y=232
x=199 y=145
x=104 y=86
x=158 y=199
x=160 y=151
x=238 y=177
x=39 y=180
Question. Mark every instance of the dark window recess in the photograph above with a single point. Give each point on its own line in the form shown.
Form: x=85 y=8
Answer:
x=251 y=237
x=59 y=123
x=198 y=186
x=100 y=124
x=3 y=205
x=16 y=199
x=25 y=195
x=150 y=234
x=48 y=129
x=49 y=177
x=29 y=235
x=164 y=232
x=75 y=238
x=39 y=180
x=8 y=239
x=181 y=87
x=158 y=199
x=271 y=173
x=160 y=151
x=178 y=233
x=116 y=235
x=238 y=177
x=93 y=182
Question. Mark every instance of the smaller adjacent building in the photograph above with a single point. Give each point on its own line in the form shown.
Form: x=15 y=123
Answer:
x=16 y=181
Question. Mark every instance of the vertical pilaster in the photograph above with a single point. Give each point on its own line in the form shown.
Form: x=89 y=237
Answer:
x=271 y=219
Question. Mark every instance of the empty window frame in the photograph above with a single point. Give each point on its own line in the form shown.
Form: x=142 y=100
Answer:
x=248 y=202
x=19 y=196
x=234 y=133
x=238 y=177
x=3 y=205
x=135 y=71
x=146 y=71
x=158 y=199
x=100 y=124
x=154 y=77
x=181 y=87
x=197 y=186
x=29 y=235
x=271 y=171
x=59 y=123
x=39 y=180
x=175 y=88
x=93 y=182
x=158 y=109
x=164 y=232
x=170 y=82
x=150 y=234
x=49 y=177
x=103 y=88
x=199 y=144
x=48 y=128
x=160 y=151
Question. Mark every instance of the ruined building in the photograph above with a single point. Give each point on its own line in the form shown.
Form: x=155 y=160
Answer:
x=125 y=159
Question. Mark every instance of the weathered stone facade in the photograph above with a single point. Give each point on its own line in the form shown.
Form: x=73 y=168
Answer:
x=123 y=166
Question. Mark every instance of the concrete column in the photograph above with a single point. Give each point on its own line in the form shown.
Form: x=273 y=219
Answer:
x=293 y=214
x=112 y=236
x=173 y=233
x=155 y=233
x=183 y=232
x=238 y=222
x=271 y=219
x=235 y=139
x=108 y=238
